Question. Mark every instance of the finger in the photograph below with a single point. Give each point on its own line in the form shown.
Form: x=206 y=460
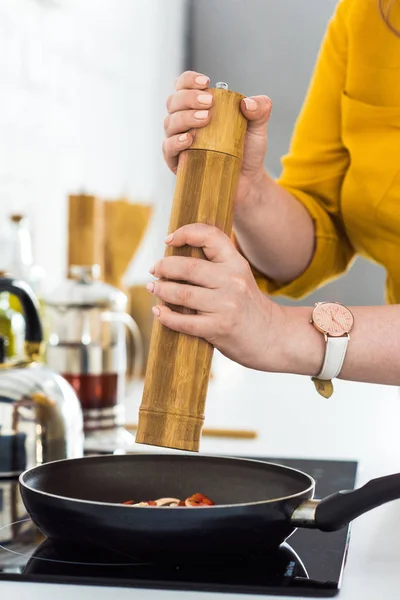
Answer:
x=173 y=146
x=196 y=325
x=184 y=120
x=180 y=294
x=257 y=111
x=186 y=99
x=217 y=246
x=192 y=80
x=197 y=271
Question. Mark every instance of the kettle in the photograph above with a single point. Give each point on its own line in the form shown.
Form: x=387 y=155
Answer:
x=98 y=348
x=40 y=415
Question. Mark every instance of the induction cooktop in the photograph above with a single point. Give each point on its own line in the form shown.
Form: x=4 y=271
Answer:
x=310 y=563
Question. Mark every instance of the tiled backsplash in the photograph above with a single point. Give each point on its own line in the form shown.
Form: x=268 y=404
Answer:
x=83 y=85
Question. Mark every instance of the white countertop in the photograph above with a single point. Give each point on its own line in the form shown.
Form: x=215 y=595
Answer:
x=359 y=422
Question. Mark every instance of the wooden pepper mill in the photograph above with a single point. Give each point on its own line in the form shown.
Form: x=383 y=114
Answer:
x=178 y=369
x=85 y=231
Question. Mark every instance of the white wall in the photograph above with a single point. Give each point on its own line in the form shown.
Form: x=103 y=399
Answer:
x=83 y=85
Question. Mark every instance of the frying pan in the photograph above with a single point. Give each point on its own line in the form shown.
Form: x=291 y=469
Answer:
x=258 y=504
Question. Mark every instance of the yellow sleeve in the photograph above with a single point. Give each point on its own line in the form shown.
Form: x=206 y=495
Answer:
x=314 y=168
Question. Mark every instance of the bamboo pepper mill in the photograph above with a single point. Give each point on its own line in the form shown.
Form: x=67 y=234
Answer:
x=178 y=369
x=85 y=231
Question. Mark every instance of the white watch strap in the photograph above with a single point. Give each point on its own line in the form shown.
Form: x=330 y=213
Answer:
x=334 y=357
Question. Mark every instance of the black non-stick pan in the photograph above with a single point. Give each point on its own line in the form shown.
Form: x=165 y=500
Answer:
x=258 y=504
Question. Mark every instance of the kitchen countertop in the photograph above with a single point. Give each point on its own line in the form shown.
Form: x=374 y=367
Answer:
x=359 y=422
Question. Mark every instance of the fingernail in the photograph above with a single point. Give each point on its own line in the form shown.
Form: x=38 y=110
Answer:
x=205 y=98
x=202 y=80
x=152 y=270
x=150 y=287
x=156 y=311
x=169 y=238
x=201 y=114
x=250 y=104
x=183 y=137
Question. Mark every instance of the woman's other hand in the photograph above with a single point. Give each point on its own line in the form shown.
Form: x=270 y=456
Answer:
x=190 y=108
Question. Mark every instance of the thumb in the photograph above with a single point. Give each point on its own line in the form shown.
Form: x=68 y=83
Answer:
x=257 y=110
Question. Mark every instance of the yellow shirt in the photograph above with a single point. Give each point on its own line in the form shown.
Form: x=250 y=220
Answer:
x=344 y=159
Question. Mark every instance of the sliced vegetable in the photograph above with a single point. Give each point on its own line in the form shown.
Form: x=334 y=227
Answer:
x=192 y=501
x=199 y=500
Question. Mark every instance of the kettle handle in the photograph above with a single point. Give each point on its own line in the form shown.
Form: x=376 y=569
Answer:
x=30 y=308
x=135 y=352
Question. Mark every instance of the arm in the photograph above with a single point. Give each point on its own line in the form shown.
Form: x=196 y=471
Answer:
x=272 y=221
x=292 y=229
x=373 y=354
x=245 y=325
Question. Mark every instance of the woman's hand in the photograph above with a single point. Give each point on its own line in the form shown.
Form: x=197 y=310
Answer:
x=232 y=313
x=189 y=109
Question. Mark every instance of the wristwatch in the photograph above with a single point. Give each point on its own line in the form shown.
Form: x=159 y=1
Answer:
x=335 y=321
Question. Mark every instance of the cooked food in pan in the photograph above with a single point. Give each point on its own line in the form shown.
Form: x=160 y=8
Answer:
x=192 y=501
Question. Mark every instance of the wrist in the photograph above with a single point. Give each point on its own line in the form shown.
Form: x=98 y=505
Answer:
x=299 y=348
x=251 y=192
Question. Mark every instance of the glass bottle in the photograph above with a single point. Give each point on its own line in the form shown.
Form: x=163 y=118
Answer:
x=20 y=264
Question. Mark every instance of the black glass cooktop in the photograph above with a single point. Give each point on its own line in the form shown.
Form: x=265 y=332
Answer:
x=310 y=564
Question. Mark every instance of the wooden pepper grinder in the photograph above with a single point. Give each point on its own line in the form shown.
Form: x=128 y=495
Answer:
x=85 y=231
x=178 y=369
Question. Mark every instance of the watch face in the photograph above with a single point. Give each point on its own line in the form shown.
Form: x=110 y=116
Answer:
x=332 y=318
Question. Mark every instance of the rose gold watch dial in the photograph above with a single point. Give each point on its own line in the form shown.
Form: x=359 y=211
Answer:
x=333 y=319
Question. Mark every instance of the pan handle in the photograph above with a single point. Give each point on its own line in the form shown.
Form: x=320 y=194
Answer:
x=338 y=510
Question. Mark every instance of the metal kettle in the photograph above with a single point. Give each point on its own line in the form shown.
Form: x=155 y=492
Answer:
x=40 y=415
